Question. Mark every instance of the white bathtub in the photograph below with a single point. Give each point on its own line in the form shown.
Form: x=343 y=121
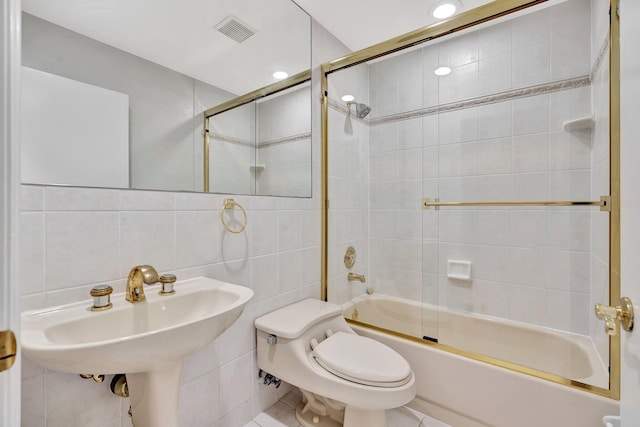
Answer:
x=464 y=392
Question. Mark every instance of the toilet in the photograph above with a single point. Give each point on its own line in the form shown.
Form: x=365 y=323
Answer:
x=345 y=379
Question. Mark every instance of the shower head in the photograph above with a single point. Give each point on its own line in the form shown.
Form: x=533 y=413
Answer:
x=362 y=110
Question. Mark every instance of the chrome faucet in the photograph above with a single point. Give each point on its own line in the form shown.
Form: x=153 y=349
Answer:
x=354 y=276
x=138 y=276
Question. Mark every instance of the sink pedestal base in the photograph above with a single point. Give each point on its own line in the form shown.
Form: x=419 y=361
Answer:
x=154 y=397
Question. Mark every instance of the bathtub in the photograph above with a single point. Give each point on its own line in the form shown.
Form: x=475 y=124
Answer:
x=465 y=392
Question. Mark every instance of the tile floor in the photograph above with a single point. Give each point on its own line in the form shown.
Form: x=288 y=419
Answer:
x=283 y=414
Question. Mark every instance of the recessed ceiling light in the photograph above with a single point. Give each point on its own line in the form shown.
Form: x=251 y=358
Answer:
x=280 y=75
x=445 y=9
x=348 y=98
x=442 y=71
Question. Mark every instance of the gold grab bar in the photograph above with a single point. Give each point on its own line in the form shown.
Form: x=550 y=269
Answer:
x=604 y=203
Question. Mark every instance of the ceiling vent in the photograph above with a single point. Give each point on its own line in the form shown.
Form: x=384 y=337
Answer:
x=235 y=29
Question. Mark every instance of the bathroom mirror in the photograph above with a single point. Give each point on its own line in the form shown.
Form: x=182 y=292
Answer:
x=266 y=132
x=162 y=66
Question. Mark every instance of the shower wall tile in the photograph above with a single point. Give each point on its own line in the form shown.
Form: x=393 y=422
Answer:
x=495 y=40
x=569 y=150
x=599 y=25
x=565 y=311
x=409 y=194
x=458 y=226
x=531 y=29
x=494 y=74
x=493 y=187
x=570 y=270
x=530 y=153
x=529 y=228
x=570 y=185
x=430 y=163
x=461 y=83
x=458 y=159
x=459 y=50
x=492 y=298
x=570 y=230
x=494 y=120
x=411 y=164
x=494 y=156
x=529 y=304
x=530 y=187
x=494 y=227
x=572 y=45
x=458 y=126
x=530 y=115
x=490 y=262
x=531 y=65
x=569 y=105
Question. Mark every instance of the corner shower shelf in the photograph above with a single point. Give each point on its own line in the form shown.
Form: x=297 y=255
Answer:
x=256 y=168
x=583 y=123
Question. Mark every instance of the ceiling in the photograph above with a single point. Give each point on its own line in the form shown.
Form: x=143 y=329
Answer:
x=180 y=35
x=363 y=23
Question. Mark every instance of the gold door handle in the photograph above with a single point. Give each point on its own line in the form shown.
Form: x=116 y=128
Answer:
x=622 y=313
x=8 y=350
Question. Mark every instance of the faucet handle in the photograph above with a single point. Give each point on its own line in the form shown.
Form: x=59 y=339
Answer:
x=167 y=281
x=101 y=297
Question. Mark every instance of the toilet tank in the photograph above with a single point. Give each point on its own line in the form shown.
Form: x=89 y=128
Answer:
x=283 y=337
x=292 y=321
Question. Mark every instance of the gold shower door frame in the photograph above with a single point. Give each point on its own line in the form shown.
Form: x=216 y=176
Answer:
x=463 y=21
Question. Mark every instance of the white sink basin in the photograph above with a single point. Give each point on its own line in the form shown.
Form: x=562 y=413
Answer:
x=153 y=336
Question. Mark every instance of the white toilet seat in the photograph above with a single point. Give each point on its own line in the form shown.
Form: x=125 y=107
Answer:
x=362 y=360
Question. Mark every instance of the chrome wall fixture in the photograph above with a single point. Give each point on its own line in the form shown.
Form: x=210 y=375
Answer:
x=101 y=297
x=350 y=257
x=622 y=313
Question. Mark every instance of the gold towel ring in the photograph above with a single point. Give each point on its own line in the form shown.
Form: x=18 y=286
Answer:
x=230 y=204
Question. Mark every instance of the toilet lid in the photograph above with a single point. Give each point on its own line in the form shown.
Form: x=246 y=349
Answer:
x=362 y=360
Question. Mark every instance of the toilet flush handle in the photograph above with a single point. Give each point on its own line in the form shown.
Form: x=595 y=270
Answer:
x=272 y=339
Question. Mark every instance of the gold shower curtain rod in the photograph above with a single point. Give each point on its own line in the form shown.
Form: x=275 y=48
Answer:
x=604 y=203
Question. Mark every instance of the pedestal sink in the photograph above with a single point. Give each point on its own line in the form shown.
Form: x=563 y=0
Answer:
x=148 y=341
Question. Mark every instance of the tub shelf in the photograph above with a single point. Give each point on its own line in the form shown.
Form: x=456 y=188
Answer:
x=583 y=123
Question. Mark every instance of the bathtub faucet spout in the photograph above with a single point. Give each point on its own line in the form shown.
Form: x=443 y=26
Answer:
x=353 y=276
